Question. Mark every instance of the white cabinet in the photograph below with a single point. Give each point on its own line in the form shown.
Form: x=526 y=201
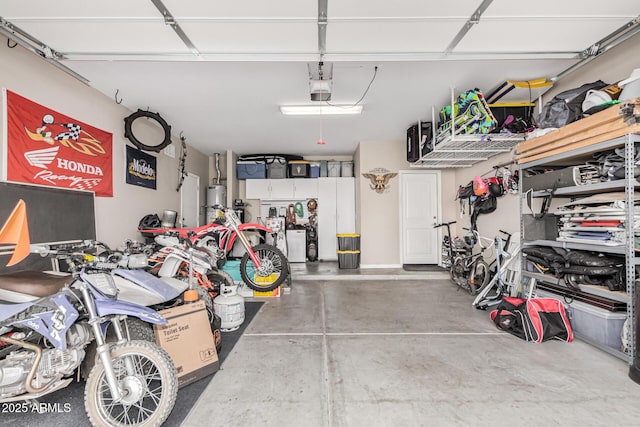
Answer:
x=336 y=213
x=258 y=188
x=305 y=188
x=282 y=189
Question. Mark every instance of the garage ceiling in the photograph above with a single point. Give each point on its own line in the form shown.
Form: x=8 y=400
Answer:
x=223 y=81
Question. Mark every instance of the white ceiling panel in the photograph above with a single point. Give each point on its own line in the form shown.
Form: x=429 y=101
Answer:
x=253 y=37
x=384 y=37
x=112 y=36
x=536 y=35
x=241 y=9
x=599 y=8
x=10 y=9
x=222 y=103
x=401 y=8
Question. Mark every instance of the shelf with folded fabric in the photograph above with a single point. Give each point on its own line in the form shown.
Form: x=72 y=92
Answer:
x=600 y=291
x=596 y=221
x=617 y=185
x=612 y=249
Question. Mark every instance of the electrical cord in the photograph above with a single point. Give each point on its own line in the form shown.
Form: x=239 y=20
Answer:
x=375 y=72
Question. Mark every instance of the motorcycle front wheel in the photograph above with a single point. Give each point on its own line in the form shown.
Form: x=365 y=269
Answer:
x=148 y=381
x=273 y=271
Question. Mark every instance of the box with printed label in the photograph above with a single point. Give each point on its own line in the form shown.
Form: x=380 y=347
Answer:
x=188 y=339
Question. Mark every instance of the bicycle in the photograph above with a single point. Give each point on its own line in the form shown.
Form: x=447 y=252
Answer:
x=467 y=270
x=500 y=280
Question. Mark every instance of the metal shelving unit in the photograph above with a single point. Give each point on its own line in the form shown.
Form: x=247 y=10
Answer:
x=452 y=149
x=628 y=185
x=461 y=151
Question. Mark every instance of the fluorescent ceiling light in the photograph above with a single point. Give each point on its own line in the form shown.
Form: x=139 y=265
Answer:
x=320 y=109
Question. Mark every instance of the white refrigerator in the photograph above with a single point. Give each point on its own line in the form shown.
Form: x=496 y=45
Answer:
x=297 y=245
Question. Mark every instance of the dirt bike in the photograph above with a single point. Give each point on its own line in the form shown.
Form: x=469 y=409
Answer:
x=263 y=267
x=164 y=288
x=46 y=323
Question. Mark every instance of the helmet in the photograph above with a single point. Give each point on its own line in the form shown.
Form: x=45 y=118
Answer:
x=149 y=221
x=480 y=186
x=312 y=204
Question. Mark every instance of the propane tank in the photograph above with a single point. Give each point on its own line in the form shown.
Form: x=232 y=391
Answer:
x=230 y=307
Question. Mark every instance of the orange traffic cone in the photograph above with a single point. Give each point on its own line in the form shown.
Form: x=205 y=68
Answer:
x=16 y=230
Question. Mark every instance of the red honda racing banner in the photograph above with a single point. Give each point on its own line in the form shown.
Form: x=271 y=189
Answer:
x=45 y=147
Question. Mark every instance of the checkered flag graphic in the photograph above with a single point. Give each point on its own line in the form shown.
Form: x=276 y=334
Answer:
x=73 y=133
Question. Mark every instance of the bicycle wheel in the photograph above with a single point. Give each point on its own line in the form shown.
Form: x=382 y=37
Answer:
x=457 y=268
x=481 y=277
x=274 y=268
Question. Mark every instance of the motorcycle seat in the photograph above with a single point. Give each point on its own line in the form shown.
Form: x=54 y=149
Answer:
x=34 y=283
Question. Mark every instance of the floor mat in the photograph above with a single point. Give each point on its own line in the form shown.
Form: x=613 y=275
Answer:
x=66 y=407
x=423 y=267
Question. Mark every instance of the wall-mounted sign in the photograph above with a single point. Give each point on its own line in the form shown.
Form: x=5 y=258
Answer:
x=45 y=147
x=141 y=168
x=379 y=178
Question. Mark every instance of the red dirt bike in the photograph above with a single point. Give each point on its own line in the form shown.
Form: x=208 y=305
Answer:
x=263 y=267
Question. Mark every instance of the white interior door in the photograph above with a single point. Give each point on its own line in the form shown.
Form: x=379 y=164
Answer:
x=419 y=210
x=190 y=201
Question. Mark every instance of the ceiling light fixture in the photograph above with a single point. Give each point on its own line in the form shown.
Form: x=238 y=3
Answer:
x=303 y=110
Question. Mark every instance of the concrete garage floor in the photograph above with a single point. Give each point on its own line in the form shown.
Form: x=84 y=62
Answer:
x=345 y=349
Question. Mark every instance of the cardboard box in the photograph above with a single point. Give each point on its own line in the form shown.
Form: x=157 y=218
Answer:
x=188 y=339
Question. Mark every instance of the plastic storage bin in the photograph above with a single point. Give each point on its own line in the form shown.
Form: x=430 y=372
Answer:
x=277 y=170
x=597 y=324
x=232 y=267
x=348 y=242
x=324 y=165
x=299 y=169
x=333 y=169
x=348 y=259
x=346 y=169
x=246 y=169
x=315 y=169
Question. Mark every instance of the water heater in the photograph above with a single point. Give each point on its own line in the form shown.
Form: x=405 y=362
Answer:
x=217 y=195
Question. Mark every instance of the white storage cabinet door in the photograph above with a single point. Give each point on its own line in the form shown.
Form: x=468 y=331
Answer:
x=327 y=241
x=257 y=188
x=305 y=188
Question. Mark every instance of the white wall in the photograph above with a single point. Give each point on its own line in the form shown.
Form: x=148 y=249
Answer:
x=378 y=215
x=117 y=217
